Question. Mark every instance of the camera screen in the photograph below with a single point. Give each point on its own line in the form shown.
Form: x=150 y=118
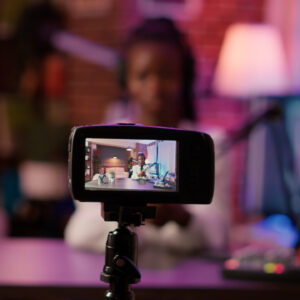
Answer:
x=131 y=164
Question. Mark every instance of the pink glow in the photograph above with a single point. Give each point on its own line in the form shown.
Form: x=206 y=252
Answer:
x=279 y=268
x=231 y=264
x=252 y=62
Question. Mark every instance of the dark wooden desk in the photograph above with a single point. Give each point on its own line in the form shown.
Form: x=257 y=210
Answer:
x=48 y=269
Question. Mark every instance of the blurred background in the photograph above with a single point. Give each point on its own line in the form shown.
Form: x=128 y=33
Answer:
x=58 y=63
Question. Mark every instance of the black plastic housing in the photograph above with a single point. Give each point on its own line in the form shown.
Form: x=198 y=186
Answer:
x=195 y=165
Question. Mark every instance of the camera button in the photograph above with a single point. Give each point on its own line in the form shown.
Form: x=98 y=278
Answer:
x=125 y=124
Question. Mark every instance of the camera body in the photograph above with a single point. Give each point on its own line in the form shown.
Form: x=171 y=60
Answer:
x=129 y=164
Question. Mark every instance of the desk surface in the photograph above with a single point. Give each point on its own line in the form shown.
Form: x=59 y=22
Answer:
x=34 y=266
x=126 y=184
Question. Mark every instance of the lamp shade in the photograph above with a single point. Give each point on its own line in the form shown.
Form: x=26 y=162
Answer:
x=252 y=62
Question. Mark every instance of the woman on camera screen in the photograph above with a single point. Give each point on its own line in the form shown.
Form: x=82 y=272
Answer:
x=139 y=170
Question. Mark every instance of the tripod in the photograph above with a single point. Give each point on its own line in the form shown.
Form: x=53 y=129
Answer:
x=120 y=269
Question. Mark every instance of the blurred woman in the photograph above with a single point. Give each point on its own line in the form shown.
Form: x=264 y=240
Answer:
x=157 y=73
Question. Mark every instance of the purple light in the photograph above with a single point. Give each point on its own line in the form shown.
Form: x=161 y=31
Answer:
x=85 y=49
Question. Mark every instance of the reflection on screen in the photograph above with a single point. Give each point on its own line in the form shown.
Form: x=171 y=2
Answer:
x=131 y=164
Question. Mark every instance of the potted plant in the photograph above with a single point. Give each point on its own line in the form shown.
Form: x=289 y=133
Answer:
x=111 y=176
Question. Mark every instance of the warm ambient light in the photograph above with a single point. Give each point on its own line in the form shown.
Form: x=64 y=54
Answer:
x=279 y=268
x=269 y=267
x=251 y=62
x=231 y=264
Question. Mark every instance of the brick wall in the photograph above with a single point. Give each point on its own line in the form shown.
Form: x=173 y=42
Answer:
x=91 y=88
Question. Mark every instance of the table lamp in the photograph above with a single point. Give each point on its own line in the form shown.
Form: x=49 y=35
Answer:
x=251 y=62
x=251 y=65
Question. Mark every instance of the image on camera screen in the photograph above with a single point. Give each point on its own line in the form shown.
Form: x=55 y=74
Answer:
x=131 y=164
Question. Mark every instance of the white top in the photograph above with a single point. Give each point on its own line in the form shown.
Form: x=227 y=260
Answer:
x=136 y=171
x=207 y=229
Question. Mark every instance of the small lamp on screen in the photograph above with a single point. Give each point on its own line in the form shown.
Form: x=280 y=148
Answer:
x=252 y=63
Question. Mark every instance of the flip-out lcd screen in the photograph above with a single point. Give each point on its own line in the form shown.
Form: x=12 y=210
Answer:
x=131 y=165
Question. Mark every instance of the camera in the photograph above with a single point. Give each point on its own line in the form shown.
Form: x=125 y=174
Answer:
x=128 y=164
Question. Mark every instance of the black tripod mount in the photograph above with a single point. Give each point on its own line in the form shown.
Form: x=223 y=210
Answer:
x=121 y=253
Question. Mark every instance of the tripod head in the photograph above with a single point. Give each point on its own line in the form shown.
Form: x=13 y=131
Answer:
x=132 y=214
